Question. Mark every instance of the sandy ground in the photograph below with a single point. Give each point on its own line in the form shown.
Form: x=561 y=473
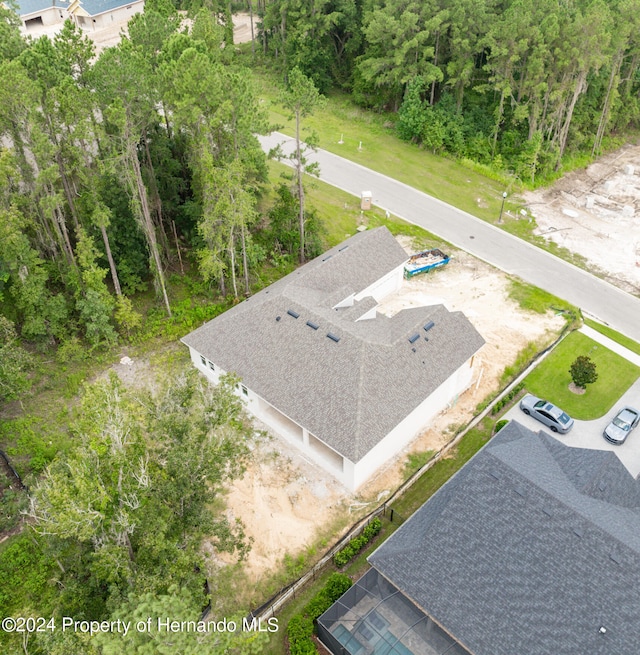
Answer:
x=595 y=212
x=285 y=501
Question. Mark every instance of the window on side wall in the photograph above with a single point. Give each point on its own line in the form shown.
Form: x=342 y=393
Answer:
x=203 y=360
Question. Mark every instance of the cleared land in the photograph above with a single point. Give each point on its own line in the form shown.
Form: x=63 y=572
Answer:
x=287 y=503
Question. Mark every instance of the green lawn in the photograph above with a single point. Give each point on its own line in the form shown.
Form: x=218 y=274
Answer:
x=340 y=213
x=369 y=138
x=551 y=378
x=630 y=344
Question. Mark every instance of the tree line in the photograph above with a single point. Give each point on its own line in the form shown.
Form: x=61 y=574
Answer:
x=121 y=169
x=516 y=84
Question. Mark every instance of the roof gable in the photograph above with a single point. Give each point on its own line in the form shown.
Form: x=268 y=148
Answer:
x=351 y=392
x=510 y=556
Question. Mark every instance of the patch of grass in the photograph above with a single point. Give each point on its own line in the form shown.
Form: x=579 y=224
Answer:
x=341 y=215
x=628 y=343
x=438 y=474
x=551 y=378
x=539 y=301
x=416 y=461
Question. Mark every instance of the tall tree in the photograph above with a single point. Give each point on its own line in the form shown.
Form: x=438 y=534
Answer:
x=123 y=79
x=302 y=98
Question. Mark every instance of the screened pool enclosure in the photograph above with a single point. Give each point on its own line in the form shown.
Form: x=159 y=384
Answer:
x=374 y=618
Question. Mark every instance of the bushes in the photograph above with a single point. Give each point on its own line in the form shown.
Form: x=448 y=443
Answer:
x=508 y=398
x=300 y=628
x=357 y=544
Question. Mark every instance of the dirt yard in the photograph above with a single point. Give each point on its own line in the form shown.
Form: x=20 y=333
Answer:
x=595 y=212
x=284 y=501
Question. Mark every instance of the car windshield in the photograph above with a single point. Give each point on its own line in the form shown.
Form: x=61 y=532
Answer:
x=619 y=423
x=564 y=418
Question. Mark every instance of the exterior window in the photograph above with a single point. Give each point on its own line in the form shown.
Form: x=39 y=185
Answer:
x=203 y=360
x=211 y=366
x=244 y=390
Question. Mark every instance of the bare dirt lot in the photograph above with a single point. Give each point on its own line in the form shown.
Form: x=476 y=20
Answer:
x=595 y=212
x=286 y=503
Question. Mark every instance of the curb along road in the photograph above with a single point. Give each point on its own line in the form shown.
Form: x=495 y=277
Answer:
x=611 y=305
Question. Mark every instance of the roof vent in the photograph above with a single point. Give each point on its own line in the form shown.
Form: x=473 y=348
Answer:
x=414 y=337
x=333 y=337
x=313 y=325
x=292 y=313
x=278 y=318
x=324 y=259
x=615 y=557
x=428 y=326
x=547 y=511
x=579 y=532
x=602 y=485
x=603 y=630
x=519 y=490
x=495 y=474
x=413 y=350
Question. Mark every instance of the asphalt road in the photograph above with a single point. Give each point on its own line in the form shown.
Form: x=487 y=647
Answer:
x=602 y=300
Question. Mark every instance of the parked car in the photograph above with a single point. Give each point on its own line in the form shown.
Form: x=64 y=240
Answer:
x=625 y=420
x=545 y=412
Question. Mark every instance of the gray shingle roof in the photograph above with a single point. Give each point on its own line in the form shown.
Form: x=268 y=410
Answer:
x=528 y=550
x=349 y=394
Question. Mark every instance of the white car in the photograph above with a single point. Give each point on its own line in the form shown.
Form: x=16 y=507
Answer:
x=625 y=420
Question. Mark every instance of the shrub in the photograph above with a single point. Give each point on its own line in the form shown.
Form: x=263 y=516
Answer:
x=508 y=398
x=583 y=371
x=343 y=556
x=300 y=628
x=500 y=424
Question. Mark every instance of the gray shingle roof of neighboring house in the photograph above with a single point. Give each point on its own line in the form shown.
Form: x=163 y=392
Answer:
x=350 y=393
x=529 y=549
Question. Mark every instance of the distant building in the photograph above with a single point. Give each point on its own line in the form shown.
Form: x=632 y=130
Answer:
x=87 y=14
x=532 y=548
x=36 y=13
x=345 y=384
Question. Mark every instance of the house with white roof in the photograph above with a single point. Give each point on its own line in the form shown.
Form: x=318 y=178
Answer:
x=348 y=386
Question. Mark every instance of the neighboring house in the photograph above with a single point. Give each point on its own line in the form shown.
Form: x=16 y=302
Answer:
x=319 y=365
x=532 y=548
x=87 y=14
x=97 y=14
x=36 y=13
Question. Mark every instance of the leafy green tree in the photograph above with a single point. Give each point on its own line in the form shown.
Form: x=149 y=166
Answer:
x=14 y=363
x=412 y=114
x=301 y=98
x=11 y=41
x=124 y=82
x=583 y=371
x=93 y=300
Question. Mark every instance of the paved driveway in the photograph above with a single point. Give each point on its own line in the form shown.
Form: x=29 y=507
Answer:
x=485 y=241
x=588 y=434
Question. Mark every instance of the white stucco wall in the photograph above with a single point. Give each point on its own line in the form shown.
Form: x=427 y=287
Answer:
x=120 y=15
x=387 y=284
x=49 y=16
x=350 y=475
x=408 y=429
x=264 y=411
